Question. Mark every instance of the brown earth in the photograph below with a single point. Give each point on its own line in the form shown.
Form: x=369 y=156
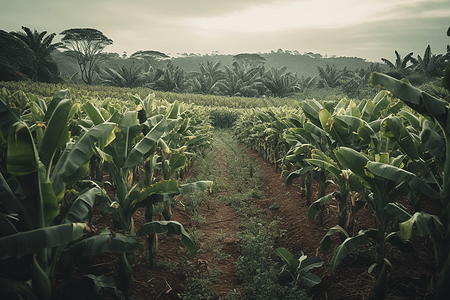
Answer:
x=407 y=279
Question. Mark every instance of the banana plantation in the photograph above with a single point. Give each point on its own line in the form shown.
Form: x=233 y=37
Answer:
x=62 y=148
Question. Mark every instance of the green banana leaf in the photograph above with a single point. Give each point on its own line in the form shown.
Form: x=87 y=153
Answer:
x=82 y=205
x=56 y=135
x=189 y=188
x=89 y=287
x=22 y=243
x=8 y=117
x=57 y=97
x=422 y=224
x=421 y=102
x=353 y=160
x=349 y=245
x=433 y=141
x=74 y=160
x=315 y=206
x=93 y=113
x=147 y=143
x=393 y=127
x=399 y=175
x=172 y=228
x=22 y=161
x=106 y=241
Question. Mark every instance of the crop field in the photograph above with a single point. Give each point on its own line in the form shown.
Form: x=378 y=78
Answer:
x=139 y=194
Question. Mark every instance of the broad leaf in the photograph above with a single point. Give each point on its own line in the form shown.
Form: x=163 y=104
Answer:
x=172 y=228
x=34 y=240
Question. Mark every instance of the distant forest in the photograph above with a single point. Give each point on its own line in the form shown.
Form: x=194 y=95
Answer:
x=81 y=58
x=302 y=64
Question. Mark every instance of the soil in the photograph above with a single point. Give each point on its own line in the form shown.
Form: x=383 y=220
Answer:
x=407 y=279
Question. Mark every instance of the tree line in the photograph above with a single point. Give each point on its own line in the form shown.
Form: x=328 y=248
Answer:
x=27 y=55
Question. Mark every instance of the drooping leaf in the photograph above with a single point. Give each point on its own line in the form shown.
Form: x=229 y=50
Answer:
x=34 y=240
x=172 y=228
x=98 y=244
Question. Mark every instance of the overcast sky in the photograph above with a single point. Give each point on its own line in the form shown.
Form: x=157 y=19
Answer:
x=369 y=29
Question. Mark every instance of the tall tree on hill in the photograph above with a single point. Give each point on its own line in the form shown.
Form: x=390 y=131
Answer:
x=85 y=45
x=152 y=57
x=249 y=60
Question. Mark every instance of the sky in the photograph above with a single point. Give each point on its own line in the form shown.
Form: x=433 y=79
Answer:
x=369 y=29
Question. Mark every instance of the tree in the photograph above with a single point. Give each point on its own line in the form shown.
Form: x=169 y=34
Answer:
x=400 y=68
x=152 y=57
x=431 y=65
x=241 y=81
x=204 y=82
x=122 y=76
x=44 y=67
x=281 y=83
x=171 y=79
x=85 y=45
x=249 y=60
x=330 y=76
x=16 y=58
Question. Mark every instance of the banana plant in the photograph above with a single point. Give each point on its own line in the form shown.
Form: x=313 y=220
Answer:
x=40 y=164
x=384 y=194
x=297 y=267
x=436 y=137
x=346 y=181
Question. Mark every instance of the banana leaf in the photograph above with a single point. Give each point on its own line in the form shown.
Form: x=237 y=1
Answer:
x=93 y=113
x=349 y=245
x=8 y=117
x=422 y=224
x=57 y=97
x=399 y=175
x=23 y=243
x=172 y=228
x=147 y=143
x=74 y=160
x=82 y=205
x=106 y=241
x=315 y=206
x=56 y=134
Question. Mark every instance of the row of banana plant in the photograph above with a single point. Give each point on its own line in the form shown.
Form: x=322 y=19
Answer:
x=49 y=149
x=374 y=152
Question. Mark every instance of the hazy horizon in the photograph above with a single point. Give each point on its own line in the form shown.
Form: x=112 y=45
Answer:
x=352 y=28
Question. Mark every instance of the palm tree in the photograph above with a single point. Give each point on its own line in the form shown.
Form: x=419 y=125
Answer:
x=332 y=77
x=44 y=68
x=400 y=67
x=121 y=76
x=281 y=83
x=431 y=65
x=205 y=81
x=241 y=81
x=173 y=79
x=16 y=58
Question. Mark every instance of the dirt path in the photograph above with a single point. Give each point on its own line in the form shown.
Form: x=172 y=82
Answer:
x=219 y=248
x=219 y=241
